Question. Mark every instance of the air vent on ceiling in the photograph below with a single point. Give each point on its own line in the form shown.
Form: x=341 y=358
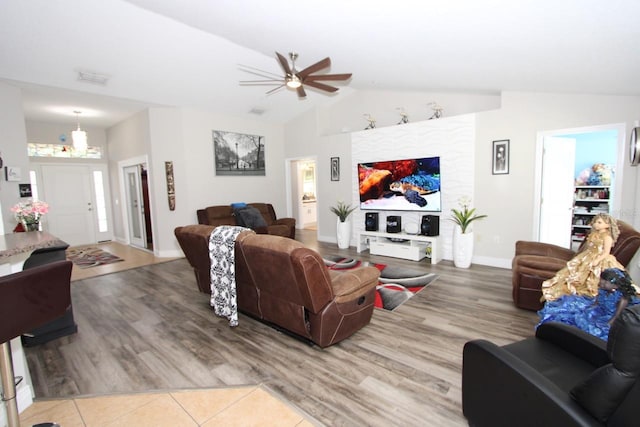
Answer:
x=93 y=77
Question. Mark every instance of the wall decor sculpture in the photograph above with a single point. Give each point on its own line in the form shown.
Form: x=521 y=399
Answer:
x=171 y=188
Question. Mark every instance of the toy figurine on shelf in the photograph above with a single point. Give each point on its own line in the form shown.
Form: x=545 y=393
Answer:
x=371 y=120
x=404 y=117
x=437 y=110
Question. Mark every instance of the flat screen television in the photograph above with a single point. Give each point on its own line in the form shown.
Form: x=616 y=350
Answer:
x=401 y=185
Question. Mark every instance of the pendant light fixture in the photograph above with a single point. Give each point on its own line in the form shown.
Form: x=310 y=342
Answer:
x=79 y=136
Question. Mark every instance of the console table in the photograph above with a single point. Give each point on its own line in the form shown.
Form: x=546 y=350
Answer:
x=408 y=246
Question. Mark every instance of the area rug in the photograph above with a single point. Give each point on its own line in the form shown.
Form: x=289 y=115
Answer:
x=91 y=257
x=396 y=284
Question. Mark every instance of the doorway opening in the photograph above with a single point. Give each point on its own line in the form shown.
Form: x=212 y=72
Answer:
x=578 y=174
x=137 y=206
x=302 y=192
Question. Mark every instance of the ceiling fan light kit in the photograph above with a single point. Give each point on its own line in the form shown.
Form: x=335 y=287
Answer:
x=297 y=80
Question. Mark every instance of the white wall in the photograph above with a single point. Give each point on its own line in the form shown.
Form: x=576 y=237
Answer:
x=348 y=114
x=184 y=137
x=50 y=133
x=508 y=200
x=128 y=139
x=13 y=150
x=451 y=139
x=204 y=188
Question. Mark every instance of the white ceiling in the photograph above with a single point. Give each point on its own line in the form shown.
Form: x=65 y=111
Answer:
x=186 y=53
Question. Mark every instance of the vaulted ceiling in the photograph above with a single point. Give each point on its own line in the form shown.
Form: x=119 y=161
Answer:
x=186 y=53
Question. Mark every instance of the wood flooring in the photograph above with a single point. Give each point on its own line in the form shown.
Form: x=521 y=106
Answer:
x=150 y=329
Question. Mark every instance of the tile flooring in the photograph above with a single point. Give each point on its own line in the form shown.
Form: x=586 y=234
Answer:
x=237 y=406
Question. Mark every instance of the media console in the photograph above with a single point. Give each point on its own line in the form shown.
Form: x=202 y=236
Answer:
x=408 y=246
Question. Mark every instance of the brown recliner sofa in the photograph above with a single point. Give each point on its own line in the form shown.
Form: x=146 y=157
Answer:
x=224 y=215
x=285 y=284
x=535 y=262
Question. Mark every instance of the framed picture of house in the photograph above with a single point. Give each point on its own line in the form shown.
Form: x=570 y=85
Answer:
x=501 y=157
x=238 y=154
x=335 y=169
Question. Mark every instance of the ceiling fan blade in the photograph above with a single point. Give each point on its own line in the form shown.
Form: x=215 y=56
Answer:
x=275 y=89
x=320 y=65
x=258 y=72
x=301 y=92
x=315 y=77
x=260 y=82
x=321 y=86
x=284 y=63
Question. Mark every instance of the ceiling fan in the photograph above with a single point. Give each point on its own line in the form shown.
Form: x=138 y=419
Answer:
x=295 y=79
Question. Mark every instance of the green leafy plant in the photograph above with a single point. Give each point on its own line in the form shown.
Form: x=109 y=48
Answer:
x=465 y=216
x=342 y=210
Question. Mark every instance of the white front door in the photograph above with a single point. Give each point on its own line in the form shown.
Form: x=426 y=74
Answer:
x=135 y=206
x=71 y=214
x=556 y=201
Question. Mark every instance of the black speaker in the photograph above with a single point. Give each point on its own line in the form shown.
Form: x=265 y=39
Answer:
x=394 y=224
x=430 y=225
x=371 y=221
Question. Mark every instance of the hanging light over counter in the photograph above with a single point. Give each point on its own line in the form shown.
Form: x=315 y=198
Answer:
x=79 y=137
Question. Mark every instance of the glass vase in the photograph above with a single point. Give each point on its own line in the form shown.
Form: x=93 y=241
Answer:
x=30 y=225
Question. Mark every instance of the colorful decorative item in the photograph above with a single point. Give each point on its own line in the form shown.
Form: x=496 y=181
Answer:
x=29 y=213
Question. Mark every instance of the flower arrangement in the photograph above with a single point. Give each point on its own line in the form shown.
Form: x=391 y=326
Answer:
x=30 y=212
x=342 y=210
x=465 y=216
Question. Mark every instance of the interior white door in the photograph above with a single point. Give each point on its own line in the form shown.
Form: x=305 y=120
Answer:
x=556 y=199
x=135 y=206
x=68 y=192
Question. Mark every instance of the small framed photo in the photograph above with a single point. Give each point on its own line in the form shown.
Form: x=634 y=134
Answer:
x=335 y=169
x=501 y=157
x=25 y=190
x=12 y=173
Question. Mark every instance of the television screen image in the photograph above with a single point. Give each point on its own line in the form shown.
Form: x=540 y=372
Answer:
x=401 y=185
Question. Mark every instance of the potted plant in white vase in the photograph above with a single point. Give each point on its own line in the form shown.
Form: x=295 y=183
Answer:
x=462 y=233
x=343 y=224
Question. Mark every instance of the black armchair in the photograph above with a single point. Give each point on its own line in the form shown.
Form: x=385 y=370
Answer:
x=561 y=377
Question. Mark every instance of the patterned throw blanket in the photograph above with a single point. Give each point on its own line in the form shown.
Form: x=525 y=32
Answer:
x=223 y=273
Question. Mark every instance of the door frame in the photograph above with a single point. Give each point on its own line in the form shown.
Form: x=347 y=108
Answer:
x=292 y=193
x=109 y=235
x=134 y=172
x=122 y=165
x=618 y=179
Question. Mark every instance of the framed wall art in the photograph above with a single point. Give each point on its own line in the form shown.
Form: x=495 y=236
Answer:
x=12 y=173
x=501 y=157
x=335 y=169
x=238 y=154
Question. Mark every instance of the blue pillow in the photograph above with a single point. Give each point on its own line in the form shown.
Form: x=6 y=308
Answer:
x=238 y=205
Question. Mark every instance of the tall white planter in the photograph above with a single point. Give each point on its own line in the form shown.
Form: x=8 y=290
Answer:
x=462 y=247
x=343 y=230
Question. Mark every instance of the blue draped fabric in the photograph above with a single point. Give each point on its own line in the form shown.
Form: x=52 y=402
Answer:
x=587 y=313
